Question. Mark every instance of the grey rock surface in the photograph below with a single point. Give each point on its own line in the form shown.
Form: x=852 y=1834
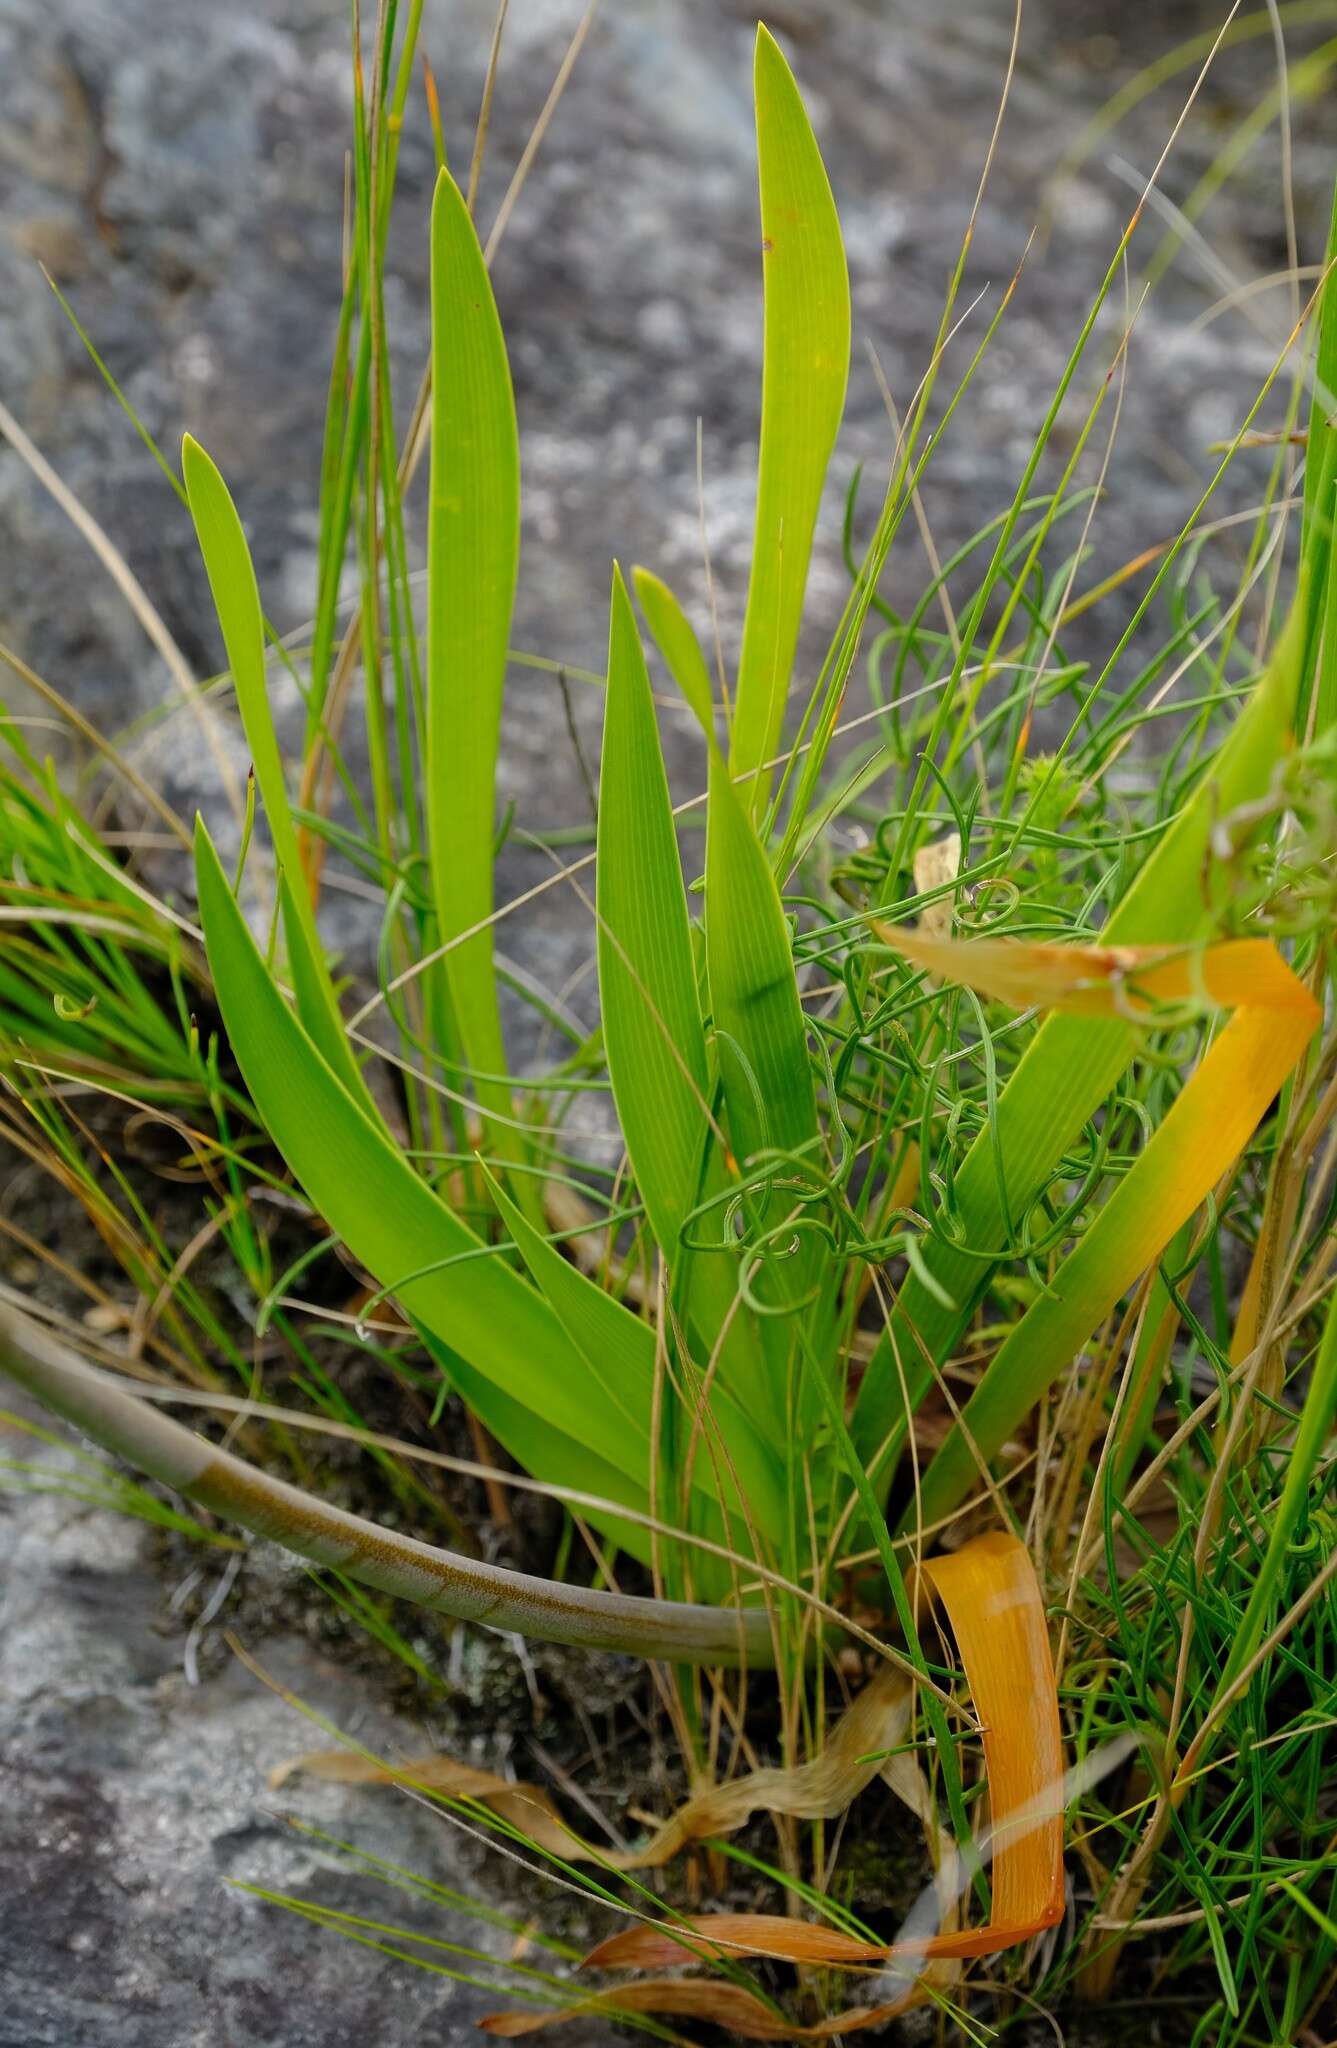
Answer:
x=134 y=1751
x=177 y=165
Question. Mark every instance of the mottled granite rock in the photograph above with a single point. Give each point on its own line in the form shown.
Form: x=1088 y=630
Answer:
x=179 y=166
x=133 y=1757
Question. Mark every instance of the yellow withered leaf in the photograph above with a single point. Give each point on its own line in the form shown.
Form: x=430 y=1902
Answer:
x=1105 y=981
x=875 y=1723
x=1200 y=1138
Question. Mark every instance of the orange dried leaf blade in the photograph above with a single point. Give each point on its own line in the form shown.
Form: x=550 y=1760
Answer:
x=992 y=1598
x=724 y=2005
x=1202 y=1135
x=1104 y=981
x=647 y=1947
x=1200 y=1138
x=818 y=1790
x=525 y=1807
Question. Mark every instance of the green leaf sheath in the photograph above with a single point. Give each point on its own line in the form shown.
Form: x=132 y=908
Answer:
x=619 y=1349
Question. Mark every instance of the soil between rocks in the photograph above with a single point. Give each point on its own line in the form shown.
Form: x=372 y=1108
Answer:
x=178 y=167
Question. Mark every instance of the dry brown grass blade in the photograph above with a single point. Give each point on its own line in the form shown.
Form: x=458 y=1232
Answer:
x=820 y=1790
x=715 y=1937
x=525 y=1806
x=729 y=2006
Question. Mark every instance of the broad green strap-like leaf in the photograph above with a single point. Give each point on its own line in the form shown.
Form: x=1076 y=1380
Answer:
x=654 y=1037
x=753 y=991
x=236 y=595
x=620 y=1351
x=1070 y=1066
x=545 y=1451
x=310 y=980
x=805 y=369
x=473 y=545
x=762 y=1050
x=678 y=644
x=383 y=1211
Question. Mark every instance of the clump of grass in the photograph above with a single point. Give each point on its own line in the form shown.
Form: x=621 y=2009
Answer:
x=951 y=1216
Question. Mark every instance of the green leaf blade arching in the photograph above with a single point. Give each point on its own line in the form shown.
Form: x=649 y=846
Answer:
x=236 y=595
x=383 y=1211
x=473 y=547
x=1072 y=1063
x=804 y=374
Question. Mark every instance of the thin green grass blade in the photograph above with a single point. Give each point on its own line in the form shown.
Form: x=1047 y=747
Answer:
x=1319 y=673
x=1070 y=1065
x=382 y=1210
x=805 y=368
x=1311 y=1436
x=473 y=546
x=676 y=640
